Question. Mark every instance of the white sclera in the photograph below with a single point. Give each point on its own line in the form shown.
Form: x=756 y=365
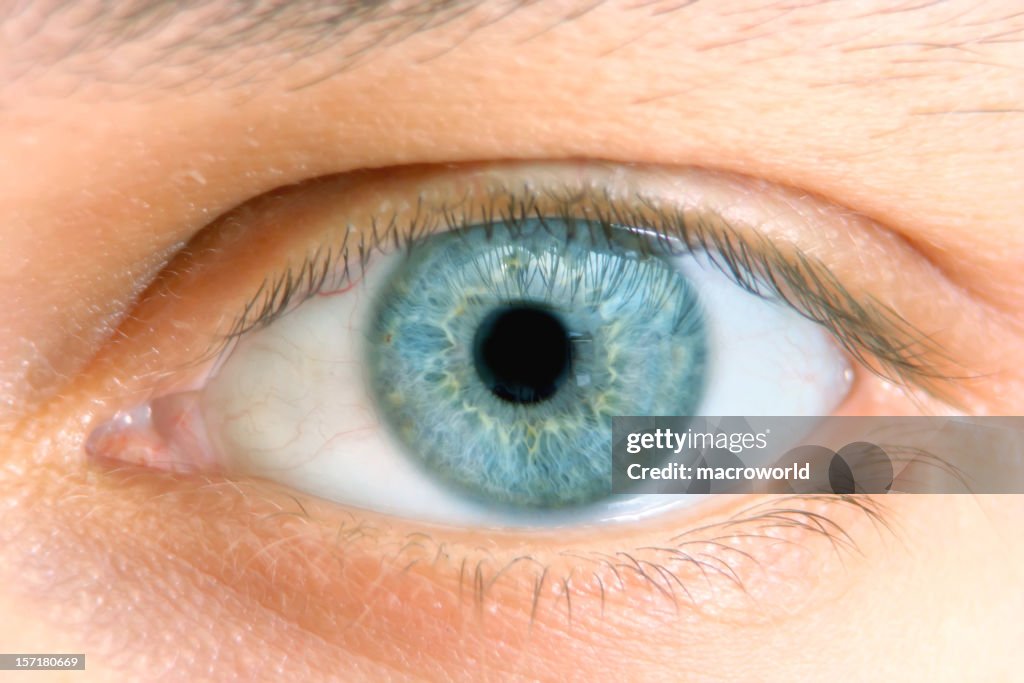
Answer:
x=292 y=401
x=766 y=359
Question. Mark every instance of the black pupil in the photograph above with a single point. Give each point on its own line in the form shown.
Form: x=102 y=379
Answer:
x=522 y=353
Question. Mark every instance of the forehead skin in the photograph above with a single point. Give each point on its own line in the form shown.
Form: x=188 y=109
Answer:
x=124 y=134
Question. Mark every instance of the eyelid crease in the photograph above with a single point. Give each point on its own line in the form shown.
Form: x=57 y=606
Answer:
x=871 y=332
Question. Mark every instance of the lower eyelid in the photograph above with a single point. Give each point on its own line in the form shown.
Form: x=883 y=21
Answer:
x=751 y=560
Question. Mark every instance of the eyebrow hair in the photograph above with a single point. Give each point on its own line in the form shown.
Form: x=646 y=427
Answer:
x=191 y=44
x=201 y=37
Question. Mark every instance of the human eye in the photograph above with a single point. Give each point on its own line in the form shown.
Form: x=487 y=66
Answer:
x=373 y=352
x=851 y=163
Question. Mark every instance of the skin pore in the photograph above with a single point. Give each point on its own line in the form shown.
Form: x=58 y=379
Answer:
x=121 y=145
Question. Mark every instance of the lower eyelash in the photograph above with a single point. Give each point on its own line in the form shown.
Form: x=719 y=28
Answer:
x=715 y=570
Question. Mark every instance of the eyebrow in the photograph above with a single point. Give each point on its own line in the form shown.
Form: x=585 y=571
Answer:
x=218 y=39
x=191 y=44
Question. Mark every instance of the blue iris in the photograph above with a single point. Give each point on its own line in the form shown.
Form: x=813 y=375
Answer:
x=500 y=353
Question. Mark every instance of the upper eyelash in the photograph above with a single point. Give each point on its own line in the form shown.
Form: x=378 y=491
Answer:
x=871 y=332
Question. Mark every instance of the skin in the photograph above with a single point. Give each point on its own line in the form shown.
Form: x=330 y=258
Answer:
x=908 y=116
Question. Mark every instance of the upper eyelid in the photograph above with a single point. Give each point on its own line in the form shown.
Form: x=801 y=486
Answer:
x=873 y=333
